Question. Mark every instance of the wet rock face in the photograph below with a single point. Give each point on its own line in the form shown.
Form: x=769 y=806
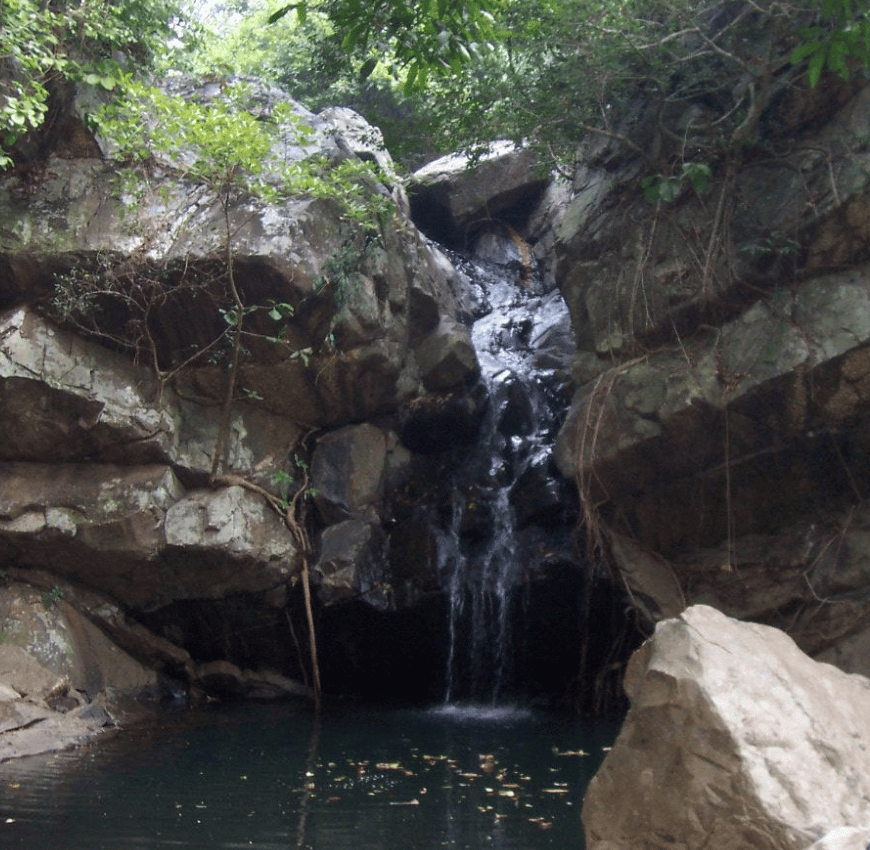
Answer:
x=734 y=738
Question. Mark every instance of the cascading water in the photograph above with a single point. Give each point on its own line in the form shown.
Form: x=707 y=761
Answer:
x=479 y=549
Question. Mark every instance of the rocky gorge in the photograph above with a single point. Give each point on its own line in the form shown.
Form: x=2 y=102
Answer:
x=706 y=389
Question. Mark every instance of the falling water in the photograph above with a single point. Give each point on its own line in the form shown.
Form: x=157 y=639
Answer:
x=479 y=556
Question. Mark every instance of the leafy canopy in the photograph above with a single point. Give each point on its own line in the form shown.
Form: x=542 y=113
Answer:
x=422 y=37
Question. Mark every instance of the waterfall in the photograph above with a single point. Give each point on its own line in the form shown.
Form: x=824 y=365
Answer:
x=480 y=557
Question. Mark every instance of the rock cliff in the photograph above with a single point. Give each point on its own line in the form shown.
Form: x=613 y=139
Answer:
x=717 y=432
x=114 y=359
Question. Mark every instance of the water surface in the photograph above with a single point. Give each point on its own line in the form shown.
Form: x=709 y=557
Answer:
x=268 y=777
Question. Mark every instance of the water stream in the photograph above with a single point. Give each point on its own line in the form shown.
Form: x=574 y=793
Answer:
x=479 y=553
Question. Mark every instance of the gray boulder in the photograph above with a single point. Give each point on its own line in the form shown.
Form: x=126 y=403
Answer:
x=351 y=564
x=472 y=192
x=446 y=357
x=734 y=739
x=347 y=472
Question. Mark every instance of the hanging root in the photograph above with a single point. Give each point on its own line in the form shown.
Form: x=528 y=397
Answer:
x=288 y=511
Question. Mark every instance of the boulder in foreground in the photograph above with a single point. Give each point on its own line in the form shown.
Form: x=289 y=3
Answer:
x=735 y=740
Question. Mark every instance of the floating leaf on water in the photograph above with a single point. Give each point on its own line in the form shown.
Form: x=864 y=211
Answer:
x=557 y=752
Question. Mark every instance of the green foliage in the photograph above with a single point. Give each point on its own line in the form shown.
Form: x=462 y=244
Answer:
x=225 y=145
x=89 y=42
x=51 y=597
x=424 y=37
x=219 y=142
x=441 y=76
x=659 y=187
x=841 y=37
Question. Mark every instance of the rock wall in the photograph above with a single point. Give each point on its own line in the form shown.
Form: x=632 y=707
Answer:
x=358 y=391
x=718 y=429
x=111 y=409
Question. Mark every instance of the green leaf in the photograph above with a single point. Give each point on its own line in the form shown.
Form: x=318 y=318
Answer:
x=802 y=51
x=368 y=66
x=411 y=78
x=814 y=69
x=280 y=13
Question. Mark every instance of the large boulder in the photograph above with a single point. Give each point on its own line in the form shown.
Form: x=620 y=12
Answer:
x=454 y=194
x=62 y=680
x=351 y=564
x=347 y=472
x=735 y=739
x=446 y=357
x=132 y=532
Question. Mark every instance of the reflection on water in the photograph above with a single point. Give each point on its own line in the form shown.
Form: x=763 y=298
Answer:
x=270 y=777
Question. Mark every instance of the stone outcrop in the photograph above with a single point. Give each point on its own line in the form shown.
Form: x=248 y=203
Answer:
x=62 y=680
x=718 y=428
x=112 y=409
x=734 y=739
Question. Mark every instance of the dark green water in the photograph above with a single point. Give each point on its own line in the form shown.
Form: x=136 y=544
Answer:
x=268 y=777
